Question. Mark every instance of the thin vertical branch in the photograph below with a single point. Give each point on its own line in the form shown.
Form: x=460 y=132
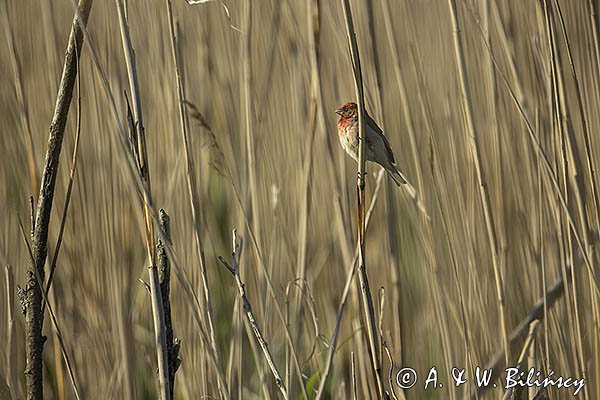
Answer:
x=247 y=307
x=34 y=317
x=143 y=167
x=369 y=311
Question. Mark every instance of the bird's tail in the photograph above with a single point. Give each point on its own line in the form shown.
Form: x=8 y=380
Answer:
x=397 y=176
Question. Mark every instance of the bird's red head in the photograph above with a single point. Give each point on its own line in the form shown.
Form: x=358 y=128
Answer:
x=347 y=110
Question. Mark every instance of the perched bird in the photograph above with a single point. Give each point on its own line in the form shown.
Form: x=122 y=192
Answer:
x=378 y=148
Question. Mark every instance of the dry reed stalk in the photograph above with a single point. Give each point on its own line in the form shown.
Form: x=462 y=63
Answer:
x=570 y=164
x=392 y=208
x=57 y=330
x=247 y=307
x=63 y=218
x=11 y=348
x=369 y=311
x=391 y=374
x=51 y=43
x=441 y=193
x=256 y=356
x=250 y=188
x=589 y=156
x=551 y=179
x=592 y=5
x=508 y=49
x=35 y=276
x=234 y=366
x=558 y=112
x=263 y=269
x=350 y=276
x=481 y=178
x=315 y=123
x=142 y=163
x=132 y=169
x=22 y=100
x=511 y=393
x=248 y=122
x=427 y=232
x=538 y=311
x=192 y=190
x=353 y=371
x=58 y=363
x=552 y=182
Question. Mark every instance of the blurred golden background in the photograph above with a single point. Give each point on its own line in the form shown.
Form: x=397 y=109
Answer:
x=267 y=80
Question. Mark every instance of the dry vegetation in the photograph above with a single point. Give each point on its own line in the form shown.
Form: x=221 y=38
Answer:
x=503 y=159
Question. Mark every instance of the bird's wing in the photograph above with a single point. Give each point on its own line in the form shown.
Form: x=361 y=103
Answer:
x=371 y=123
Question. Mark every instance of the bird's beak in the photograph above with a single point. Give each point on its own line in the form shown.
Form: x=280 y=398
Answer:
x=338 y=111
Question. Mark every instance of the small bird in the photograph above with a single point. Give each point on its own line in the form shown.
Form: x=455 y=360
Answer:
x=378 y=148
